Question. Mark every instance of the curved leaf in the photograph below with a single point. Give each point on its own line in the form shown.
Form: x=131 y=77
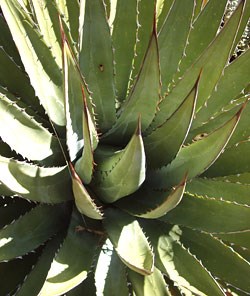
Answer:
x=129 y=241
x=67 y=271
x=196 y=157
x=122 y=173
x=48 y=185
x=84 y=203
x=152 y=204
x=30 y=231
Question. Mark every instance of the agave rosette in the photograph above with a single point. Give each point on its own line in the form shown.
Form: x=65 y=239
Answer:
x=124 y=122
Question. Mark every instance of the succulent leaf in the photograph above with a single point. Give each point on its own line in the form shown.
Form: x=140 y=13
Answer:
x=65 y=273
x=96 y=60
x=30 y=231
x=122 y=173
x=129 y=241
x=48 y=185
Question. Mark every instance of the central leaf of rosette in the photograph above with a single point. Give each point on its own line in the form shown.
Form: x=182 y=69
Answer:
x=119 y=173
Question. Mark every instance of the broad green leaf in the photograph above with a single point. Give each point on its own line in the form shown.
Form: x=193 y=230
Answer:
x=85 y=164
x=151 y=204
x=143 y=98
x=30 y=231
x=235 y=160
x=124 y=38
x=209 y=214
x=116 y=279
x=171 y=43
x=96 y=60
x=238 y=238
x=38 y=61
x=73 y=102
x=162 y=9
x=47 y=19
x=70 y=10
x=180 y=265
x=123 y=172
x=84 y=202
x=87 y=287
x=229 y=86
x=153 y=285
x=218 y=258
x=40 y=144
x=13 y=210
x=195 y=158
x=212 y=62
x=35 y=279
x=48 y=185
x=243 y=178
x=129 y=241
x=202 y=34
x=219 y=189
x=166 y=140
x=13 y=273
x=67 y=271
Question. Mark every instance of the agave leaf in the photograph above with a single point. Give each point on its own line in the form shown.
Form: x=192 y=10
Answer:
x=229 y=86
x=151 y=204
x=219 y=189
x=73 y=102
x=145 y=23
x=123 y=172
x=201 y=35
x=153 y=284
x=37 y=59
x=143 y=98
x=13 y=210
x=87 y=287
x=171 y=45
x=70 y=10
x=214 y=254
x=13 y=272
x=170 y=255
x=167 y=139
x=67 y=271
x=212 y=62
x=116 y=279
x=48 y=185
x=162 y=10
x=129 y=241
x=35 y=279
x=84 y=203
x=85 y=164
x=8 y=44
x=209 y=214
x=235 y=160
x=196 y=157
x=124 y=38
x=40 y=144
x=30 y=231
x=238 y=238
x=47 y=19
x=96 y=60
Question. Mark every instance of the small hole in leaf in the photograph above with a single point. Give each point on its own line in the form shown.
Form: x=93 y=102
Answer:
x=101 y=67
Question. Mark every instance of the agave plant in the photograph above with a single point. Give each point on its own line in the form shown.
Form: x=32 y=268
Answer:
x=124 y=152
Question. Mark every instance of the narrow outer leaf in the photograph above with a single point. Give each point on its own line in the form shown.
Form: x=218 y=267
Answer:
x=127 y=171
x=37 y=59
x=85 y=204
x=143 y=98
x=49 y=185
x=96 y=60
x=196 y=157
x=30 y=231
x=68 y=271
x=129 y=241
x=164 y=142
